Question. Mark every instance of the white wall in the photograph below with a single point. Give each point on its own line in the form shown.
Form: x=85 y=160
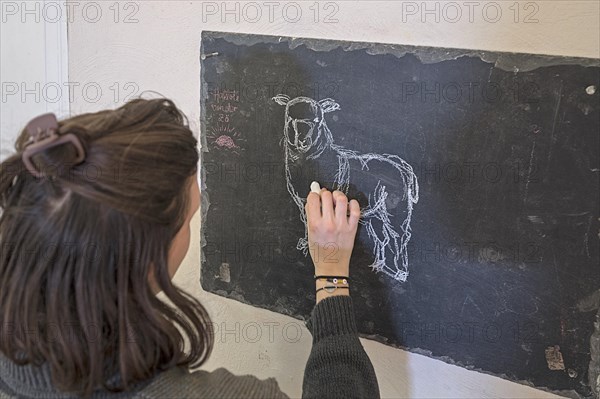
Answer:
x=158 y=50
x=33 y=65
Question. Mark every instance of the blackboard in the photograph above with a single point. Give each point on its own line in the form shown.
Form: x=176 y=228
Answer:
x=478 y=175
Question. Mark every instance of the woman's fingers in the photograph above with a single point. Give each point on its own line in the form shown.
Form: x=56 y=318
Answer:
x=332 y=206
x=327 y=204
x=354 y=213
x=341 y=206
x=313 y=205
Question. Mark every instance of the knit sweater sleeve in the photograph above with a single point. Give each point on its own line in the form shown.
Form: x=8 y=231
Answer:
x=338 y=366
x=220 y=383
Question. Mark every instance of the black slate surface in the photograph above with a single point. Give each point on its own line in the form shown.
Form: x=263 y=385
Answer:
x=505 y=233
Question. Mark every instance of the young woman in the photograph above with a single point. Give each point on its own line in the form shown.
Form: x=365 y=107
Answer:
x=95 y=221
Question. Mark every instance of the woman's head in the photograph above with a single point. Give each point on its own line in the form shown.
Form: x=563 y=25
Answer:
x=86 y=247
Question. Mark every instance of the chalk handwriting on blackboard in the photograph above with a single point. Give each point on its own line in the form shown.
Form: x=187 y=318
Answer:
x=310 y=138
x=224 y=108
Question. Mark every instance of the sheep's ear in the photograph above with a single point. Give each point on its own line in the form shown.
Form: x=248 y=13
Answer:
x=281 y=99
x=329 y=105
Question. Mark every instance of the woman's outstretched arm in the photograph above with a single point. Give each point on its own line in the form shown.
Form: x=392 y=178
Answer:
x=337 y=366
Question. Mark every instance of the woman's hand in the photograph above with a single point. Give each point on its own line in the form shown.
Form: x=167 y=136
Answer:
x=332 y=224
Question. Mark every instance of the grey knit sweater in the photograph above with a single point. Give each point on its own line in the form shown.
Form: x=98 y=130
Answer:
x=337 y=367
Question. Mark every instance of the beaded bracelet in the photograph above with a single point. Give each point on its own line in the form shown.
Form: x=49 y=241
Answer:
x=330 y=288
x=338 y=277
x=334 y=280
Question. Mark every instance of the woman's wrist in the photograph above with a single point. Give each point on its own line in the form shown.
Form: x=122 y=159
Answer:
x=323 y=293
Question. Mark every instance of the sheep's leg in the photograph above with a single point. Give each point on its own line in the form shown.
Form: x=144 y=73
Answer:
x=378 y=248
x=388 y=250
x=401 y=250
x=377 y=211
x=303 y=243
x=398 y=253
x=405 y=239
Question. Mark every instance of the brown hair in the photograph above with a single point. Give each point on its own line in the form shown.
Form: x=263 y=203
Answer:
x=78 y=244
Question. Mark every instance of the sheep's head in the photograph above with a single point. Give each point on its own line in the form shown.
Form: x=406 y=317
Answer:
x=304 y=120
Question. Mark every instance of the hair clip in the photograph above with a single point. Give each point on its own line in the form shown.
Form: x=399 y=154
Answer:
x=43 y=134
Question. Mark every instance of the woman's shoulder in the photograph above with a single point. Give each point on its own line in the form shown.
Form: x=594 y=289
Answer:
x=178 y=382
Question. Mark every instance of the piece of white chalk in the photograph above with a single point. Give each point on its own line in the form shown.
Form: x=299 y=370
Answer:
x=315 y=187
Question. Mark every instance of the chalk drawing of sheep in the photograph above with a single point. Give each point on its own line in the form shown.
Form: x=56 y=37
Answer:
x=306 y=137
